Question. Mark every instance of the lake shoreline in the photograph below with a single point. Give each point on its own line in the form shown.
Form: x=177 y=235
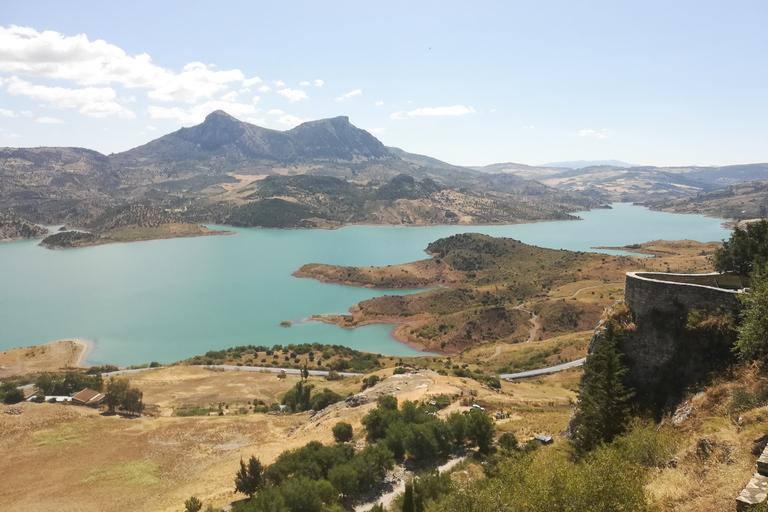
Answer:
x=398 y=326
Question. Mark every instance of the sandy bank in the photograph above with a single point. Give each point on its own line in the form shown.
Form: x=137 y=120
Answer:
x=49 y=357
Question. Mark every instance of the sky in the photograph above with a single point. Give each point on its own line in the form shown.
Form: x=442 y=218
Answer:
x=471 y=83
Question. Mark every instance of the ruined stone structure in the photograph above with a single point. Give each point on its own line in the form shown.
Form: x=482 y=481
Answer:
x=663 y=355
x=646 y=291
x=756 y=491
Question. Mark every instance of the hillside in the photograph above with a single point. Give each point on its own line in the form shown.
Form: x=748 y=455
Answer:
x=740 y=202
x=638 y=183
x=13 y=227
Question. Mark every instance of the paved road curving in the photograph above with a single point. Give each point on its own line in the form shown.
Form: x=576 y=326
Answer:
x=542 y=371
x=233 y=367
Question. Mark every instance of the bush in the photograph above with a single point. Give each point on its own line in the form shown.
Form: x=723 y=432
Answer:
x=342 y=432
x=193 y=505
x=646 y=444
x=508 y=441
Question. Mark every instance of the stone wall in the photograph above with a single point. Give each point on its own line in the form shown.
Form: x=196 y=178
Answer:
x=663 y=356
x=646 y=291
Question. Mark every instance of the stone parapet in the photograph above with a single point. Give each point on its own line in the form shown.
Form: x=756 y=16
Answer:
x=662 y=291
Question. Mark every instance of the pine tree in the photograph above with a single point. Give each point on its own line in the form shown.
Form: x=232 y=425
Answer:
x=603 y=409
x=408 y=502
x=248 y=479
x=753 y=332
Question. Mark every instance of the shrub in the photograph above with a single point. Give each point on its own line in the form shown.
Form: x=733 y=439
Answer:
x=342 y=432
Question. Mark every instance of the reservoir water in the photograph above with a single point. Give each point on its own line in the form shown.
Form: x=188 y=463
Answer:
x=166 y=300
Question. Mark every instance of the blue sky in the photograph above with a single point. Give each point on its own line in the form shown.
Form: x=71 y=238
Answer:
x=471 y=83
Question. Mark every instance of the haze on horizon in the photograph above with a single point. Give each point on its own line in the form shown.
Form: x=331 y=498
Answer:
x=652 y=83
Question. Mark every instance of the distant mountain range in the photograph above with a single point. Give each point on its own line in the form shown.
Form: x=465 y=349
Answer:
x=322 y=173
x=580 y=164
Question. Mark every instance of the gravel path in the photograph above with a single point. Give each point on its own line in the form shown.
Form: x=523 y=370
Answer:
x=386 y=499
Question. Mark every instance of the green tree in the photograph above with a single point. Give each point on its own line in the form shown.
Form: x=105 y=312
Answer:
x=508 y=442
x=372 y=464
x=480 y=430
x=408 y=503
x=269 y=499
x=115 y=396
x=602 y=410
x=458 y=425
x=249 y=477
x=132 y=401
x=342 y=432
x=301 y=495
x=193 y=505
x=745 y=250
x=395 y=438
x=752 y=342
x=421 y=443
x=13 y=395
x=344 y=479
x=298 y=397
x=388 y=402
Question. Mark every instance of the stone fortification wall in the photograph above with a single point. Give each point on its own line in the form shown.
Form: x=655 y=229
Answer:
x=663 y=355
x=661 y=291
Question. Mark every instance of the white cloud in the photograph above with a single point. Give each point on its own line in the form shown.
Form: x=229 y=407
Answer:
x=257 y=120
x=9 y=135
x=349 y=94
x=398 y=115
x=290 y=120
x=251 y=81
x=230 y=96
x=379 y=103
x=49 y=54
x=293 y=94
x=303 y=84
x=27 y=113
x=194 y=83
x=279 y=83
x=598 y=134
x=91 y=101
x=150 y=128
x=49 y=120
x=4 y=112
x=197 y=113
x=275 y=112
x=319 y=83
x=265 y=88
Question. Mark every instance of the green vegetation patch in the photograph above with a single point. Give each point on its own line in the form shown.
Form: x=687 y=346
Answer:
x=63 y=433
x=271 y=213
x=135 y=473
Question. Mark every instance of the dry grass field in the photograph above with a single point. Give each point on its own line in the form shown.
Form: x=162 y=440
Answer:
x=42 y=358
x=67 y=458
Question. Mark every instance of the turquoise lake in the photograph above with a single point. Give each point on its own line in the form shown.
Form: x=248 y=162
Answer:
x=166 y=300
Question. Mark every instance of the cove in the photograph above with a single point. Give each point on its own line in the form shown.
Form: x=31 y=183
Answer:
x=167 y=300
